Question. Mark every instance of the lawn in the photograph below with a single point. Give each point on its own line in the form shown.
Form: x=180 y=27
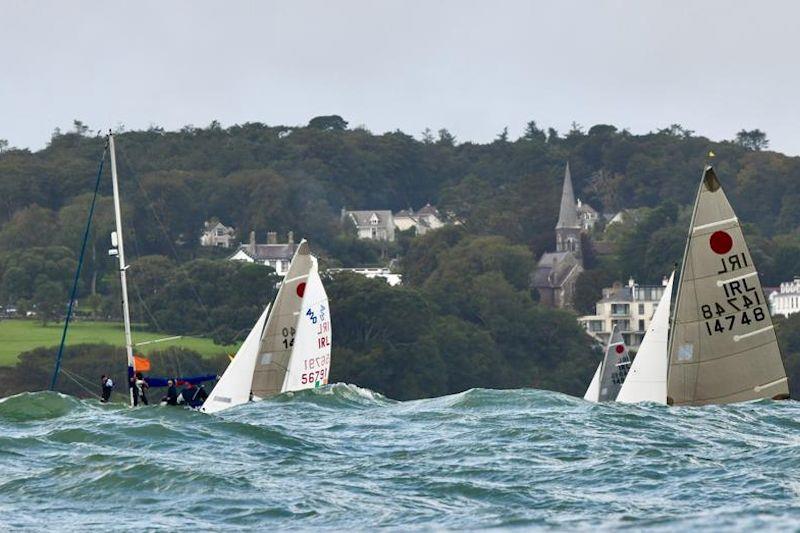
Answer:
x=17 y=336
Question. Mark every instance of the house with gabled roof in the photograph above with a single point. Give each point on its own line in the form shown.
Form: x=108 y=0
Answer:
x=377 y=225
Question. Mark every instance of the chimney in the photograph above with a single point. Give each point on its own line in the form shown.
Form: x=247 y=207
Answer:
x=291 y=237
x=272 y=237
x=343 y=215
x=252 y=238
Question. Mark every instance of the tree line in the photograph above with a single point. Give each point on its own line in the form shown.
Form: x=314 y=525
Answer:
x=465 y=315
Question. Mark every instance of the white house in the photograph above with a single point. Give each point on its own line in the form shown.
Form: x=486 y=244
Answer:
x=424 y=220
x=786 y=300
x=629 y=307
x=375 y=225
x=217 y=234
x=273 y=254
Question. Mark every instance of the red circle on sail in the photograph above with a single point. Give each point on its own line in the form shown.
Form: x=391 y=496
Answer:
x=301 y=289
x=721 y=242
x=620 y=348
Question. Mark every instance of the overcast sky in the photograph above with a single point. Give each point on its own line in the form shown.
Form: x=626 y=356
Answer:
x=473 y=67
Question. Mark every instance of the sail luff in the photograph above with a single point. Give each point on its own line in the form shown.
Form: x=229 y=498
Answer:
x=682 y=273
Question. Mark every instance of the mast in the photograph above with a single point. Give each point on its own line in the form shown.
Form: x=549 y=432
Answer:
x=119 y=250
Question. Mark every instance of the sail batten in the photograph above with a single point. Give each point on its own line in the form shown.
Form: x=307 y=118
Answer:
x=723 y=346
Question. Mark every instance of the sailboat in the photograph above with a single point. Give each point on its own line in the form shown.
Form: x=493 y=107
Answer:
x=722 y=346
x=289 y=347
x=611 y=372
x=647 y=377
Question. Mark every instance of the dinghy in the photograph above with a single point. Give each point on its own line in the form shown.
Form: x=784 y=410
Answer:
x=647 y=378
x=722 y=347
x=288 y=349
x=611 y=372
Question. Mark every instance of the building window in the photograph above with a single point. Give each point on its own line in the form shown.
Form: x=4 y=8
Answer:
x=620 y=309
x=595 y=325
x=641 y=325
x=374 y=233
x=622 y=325
x=641 y=309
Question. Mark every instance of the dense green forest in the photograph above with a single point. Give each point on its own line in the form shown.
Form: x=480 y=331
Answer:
x=465 y=315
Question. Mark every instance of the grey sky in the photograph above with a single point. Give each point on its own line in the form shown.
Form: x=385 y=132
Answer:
x=473 y=67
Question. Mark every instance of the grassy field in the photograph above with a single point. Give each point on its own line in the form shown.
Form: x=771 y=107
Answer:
x=17 y=336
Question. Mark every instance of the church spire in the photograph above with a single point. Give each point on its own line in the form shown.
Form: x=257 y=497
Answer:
x=568 y=215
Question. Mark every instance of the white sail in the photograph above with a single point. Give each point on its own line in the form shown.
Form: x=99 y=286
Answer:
x=593 y=392
x=234 y=386
x=723 y=347
x=311 y=355
x=647 y=378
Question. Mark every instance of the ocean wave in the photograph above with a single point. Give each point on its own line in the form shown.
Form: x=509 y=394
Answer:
x=345 y=457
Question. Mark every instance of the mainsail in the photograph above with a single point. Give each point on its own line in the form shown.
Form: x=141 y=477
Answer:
x=723 y=347
x=647 y=378
x=233 y=387
x=294 y=352
x=611 y=372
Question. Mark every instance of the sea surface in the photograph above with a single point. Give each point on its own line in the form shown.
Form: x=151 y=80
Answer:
x=347 y=458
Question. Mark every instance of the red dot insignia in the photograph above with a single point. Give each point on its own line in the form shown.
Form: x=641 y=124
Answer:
x=721 y=242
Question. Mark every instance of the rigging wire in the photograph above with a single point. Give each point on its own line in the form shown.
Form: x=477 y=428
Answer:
x=164 y=231
x=74 y=292
x=74 y=377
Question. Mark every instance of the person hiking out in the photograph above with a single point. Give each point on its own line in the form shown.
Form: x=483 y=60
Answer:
x=107 y=387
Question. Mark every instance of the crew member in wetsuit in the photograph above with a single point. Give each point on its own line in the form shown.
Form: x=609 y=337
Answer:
x=172 y=394
x=107 y=385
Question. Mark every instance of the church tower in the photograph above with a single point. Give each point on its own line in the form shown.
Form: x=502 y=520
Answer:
x=568 y=228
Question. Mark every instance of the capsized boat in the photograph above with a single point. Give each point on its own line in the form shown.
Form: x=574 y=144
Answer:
x=288 y=349
x=612 y=370
x=647 y=377
x=722 y=346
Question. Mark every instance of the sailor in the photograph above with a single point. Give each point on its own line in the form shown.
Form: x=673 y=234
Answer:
x=193 y=396
x=107 y=386
x=140 y=388
x=172 y=394
x=134 y=390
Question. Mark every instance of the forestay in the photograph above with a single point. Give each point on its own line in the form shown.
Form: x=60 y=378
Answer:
x=234 y=386
x=647 y=378
x=723 y=347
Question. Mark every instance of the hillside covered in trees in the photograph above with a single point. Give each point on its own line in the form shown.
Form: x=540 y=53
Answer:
x=465 y=316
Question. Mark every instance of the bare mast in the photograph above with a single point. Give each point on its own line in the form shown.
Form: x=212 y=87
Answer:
x=118 y=249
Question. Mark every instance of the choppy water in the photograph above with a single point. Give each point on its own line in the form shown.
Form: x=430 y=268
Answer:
x=343 y=457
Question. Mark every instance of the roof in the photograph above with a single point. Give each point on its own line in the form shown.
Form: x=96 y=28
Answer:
x=428 y=209
x=624 y=293
x=269 y=252
x=568 y=214
x=362 y=218
x=554 y=268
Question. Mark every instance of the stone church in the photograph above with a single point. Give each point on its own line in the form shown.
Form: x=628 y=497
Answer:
x=557 y=272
